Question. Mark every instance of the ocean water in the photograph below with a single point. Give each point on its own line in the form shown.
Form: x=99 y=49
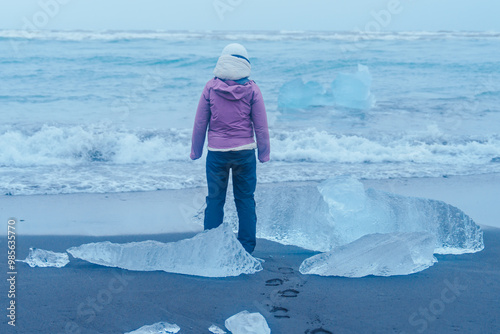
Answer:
x=103 y=112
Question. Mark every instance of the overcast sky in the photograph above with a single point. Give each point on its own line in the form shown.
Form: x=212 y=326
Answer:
x=365 y=15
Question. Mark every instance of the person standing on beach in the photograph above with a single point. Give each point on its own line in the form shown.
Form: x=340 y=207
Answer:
x=232 y=108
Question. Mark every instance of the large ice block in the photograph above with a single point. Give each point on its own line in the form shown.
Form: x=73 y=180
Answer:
x=352 y=90
x=290 y=214
x=158 y=328
x=296 y=94
x=376 y=254
x=212 y=253
x=44 y=258
x=357 y=212
x=339 y=211
x=248 y=323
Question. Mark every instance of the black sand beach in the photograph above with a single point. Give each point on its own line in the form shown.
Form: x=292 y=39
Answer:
x=459 y=294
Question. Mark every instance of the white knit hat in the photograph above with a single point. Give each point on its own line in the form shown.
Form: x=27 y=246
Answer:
x=235 y=49
x=233 y=64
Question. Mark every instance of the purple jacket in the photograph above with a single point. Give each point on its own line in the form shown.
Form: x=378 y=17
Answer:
x=232 y=113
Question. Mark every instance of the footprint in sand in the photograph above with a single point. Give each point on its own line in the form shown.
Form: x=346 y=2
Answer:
x=287 y=280
x=318 y=331
x=274 y=282
x=290 y=279
x=280 y=312
x=288 y=293
x=286 y=270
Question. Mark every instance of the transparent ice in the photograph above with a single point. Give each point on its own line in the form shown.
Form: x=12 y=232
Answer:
x=212 y=253
x=376 y=254
x=290 y=214
x=44 y=258
x=296 y=94
x=216 y=330
x=352 y=90
x=339 y=211
x=158 y=328
x=357 y=212
x=247 y=323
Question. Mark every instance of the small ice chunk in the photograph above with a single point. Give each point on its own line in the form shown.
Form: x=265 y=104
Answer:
x=212 y=253
x=247 y=323
x=216 y=330
x=44 y=258
x=352 y=90
x=376 y=254
x=158 y=328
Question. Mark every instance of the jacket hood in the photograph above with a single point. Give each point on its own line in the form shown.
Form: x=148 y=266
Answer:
x=231 y=90
x=232 y=67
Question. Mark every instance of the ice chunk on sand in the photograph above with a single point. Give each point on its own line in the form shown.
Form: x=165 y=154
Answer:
x=293 y=215
x=352 y=90
x=158 y=328
x=289 y=213
x=44 y=258
x=216 y=330
x=357 y=212
x=339 y=211
x=247 y=323
x=376 y=254
x=212 y=253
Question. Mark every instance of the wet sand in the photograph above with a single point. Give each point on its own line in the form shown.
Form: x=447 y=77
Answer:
x=457 y=294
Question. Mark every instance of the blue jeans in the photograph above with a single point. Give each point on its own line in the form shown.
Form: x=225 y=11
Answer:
x=244 y=171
